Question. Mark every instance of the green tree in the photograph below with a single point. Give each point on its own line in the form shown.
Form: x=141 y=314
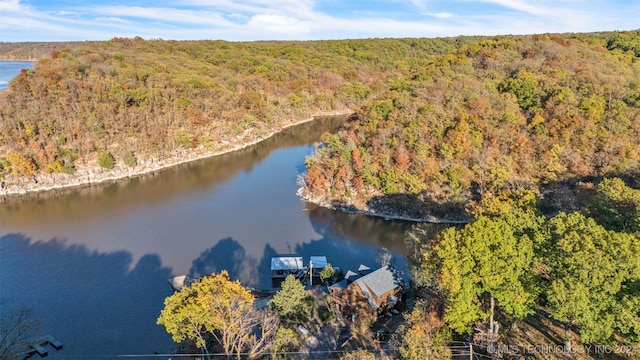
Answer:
x=286 y=341
x=327 y=273
x=616 y=206
x=487 y=260
x=593 y=277
x=106 y=160
x=523 y=86
x=292 y=303
x=223 y=309
x=129 y=159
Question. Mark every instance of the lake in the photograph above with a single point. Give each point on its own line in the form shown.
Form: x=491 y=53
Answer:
x=9 y=69
x=93 y=263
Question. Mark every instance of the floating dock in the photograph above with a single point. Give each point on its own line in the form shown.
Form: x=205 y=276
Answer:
x=38 y=346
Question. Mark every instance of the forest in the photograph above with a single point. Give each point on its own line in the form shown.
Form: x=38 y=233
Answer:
x=532 y=141
x=438 y=122
x=490 y=115
x=512 y=266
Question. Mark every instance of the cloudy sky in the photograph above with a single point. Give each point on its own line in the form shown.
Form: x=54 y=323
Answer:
x=62 y=20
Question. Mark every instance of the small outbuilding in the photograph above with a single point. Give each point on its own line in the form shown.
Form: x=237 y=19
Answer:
x=283 y=266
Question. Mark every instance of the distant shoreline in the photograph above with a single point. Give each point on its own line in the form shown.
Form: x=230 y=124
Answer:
x=17 y=60
x=95 y=175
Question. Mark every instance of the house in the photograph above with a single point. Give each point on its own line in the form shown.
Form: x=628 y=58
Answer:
x=367 y=295
x=283 y=266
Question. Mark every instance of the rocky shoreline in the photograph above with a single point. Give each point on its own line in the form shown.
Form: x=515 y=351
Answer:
x=86 y=176
x=388 y=214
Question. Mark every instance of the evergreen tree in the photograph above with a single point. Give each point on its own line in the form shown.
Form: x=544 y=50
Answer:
x=292 y=303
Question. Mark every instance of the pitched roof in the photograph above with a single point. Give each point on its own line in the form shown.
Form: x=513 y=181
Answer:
x=380 y=281
x=364 y=269
x=342 y=284
x=351 y=276
x=287 y=263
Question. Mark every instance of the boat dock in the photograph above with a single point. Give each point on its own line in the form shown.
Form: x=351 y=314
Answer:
x=38 y=346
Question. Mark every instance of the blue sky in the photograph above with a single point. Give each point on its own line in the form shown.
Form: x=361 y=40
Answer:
x=64 y=20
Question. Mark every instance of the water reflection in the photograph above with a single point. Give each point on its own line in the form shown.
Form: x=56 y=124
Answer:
x=93 y=263
x=155 y=188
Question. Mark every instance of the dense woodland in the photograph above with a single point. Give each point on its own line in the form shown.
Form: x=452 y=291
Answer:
x=511 y=265
x=487 y=115
x=439 y=120
x=98 y=104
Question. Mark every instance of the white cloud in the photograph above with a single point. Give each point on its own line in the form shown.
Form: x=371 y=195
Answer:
x=303 y=20
x=443 y=15
x=10 y=5
x=169 y=15
x=278 y=24
x=65 y=13
x=112 y=19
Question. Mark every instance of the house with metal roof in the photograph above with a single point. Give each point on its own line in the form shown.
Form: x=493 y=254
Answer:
x=368 y=295
x=283 y=266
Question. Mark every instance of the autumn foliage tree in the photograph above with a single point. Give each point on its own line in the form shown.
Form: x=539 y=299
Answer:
x=223 y=309
x=486 y=116
x=424 y=336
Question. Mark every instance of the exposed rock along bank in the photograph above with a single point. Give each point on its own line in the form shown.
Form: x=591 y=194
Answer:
x=351 y=208
x=96 y=175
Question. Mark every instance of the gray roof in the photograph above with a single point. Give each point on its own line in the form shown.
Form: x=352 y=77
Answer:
x=351 y=276
x=287 y=263
x=364 y=269
x=380 y=281
x=339 y=285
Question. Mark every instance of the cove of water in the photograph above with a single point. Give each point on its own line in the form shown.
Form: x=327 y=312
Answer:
x=92 y=263
x=9 y=69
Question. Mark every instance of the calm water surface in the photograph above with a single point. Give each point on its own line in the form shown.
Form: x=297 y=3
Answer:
x=93 y=263
x=9 y=69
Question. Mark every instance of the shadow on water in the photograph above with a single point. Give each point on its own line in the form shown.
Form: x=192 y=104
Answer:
x=94 y=303
x=227 y=254
x=347 y=240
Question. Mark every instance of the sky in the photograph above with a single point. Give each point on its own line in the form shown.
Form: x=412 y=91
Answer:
x=247 y=20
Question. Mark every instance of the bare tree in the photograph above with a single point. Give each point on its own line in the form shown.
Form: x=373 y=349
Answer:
x=266 y=325
x=384 y=257
x=16 y=329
